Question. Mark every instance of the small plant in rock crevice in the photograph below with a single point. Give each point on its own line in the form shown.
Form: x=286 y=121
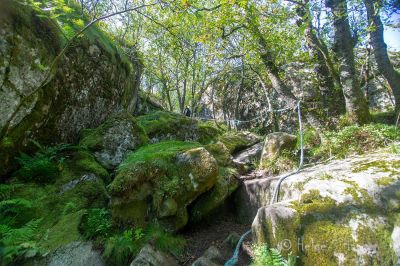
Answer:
x=265 y=256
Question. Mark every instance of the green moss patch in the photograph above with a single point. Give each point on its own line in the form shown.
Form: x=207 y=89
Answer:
x=236 y=141
x=161 y=125
x=323 y=240
x=65 y=231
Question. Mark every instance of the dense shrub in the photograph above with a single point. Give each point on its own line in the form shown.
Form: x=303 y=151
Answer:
x=164 y=241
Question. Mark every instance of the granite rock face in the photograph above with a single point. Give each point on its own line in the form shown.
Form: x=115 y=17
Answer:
x=149 y=256
x=344 y=212
x=91 y=81
x=111 y=141
x=75 y=253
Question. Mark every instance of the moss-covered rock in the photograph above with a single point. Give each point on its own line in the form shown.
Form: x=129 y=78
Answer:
x=90 y=82
x=339 y=213
x=226 y=184
x=236 y=141
x=274 y=147
x=160 y=180
x=111 y=141
x=61 y=204
x=147 y=103
x=162 y=125
x=220 y=153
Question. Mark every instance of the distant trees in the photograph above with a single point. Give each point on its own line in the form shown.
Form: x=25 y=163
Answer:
x=189 y=47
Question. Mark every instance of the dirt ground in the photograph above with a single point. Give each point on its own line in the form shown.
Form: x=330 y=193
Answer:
x=213 y=232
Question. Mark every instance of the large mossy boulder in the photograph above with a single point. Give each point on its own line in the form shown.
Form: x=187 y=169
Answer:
x=91 y=81
x=147 y=103
x=111 y=141
x=159 y=181
x=220 y=153
x=162 y=125
x=237 y=141
x=345 y=212
x=275 y=145
x=205 y=204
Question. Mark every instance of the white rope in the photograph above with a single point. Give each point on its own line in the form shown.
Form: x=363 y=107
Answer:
x=235 y=121
x=234 y=259
x=276 y=191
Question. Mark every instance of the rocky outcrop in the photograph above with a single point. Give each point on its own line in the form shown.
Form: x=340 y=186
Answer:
x=160 y=181
x=343 y=212
x=114 y=139
x=147 y=103
x=275 y=144
x=237 y=141
x=250 y=155
x=227 y=182
x=90 y=82
x=162 y=125
x=149 y=256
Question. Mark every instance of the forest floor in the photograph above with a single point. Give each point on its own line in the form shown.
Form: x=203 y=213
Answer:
x=213 y=233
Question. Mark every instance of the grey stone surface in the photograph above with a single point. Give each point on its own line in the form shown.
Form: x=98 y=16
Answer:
x=149 y=256
x=75 y=254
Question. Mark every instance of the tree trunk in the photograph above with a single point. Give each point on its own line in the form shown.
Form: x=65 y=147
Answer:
x=328 y=81
x=273 y=71
x=385 y=67
x=356 y=105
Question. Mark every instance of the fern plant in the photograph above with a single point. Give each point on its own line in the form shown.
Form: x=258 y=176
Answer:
x=44 y=166
x=13 y=212
x=120 y=249
x=264 y=256
x=96 y=223
x=17 y=244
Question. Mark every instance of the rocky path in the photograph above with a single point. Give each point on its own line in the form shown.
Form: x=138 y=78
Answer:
x=213 y=233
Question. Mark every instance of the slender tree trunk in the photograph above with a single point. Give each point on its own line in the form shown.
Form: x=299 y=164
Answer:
x=328 y=80
x=239 y=93
x=385 y=67
x=356 y=105
x=272 y=70
x=167 y=93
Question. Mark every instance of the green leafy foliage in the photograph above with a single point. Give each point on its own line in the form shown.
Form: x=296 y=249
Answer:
x=121 y=248
x=356 y=140
x=13 y=211
x=164 y=240
x=18 y=243
x=265 y=256
x=96 y=223
x=44 y=166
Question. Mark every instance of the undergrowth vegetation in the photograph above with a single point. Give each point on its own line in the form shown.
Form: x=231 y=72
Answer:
x=43 y=166
x=355 y=140
x=263 y=255
x=122 y=247
x=18 y=231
